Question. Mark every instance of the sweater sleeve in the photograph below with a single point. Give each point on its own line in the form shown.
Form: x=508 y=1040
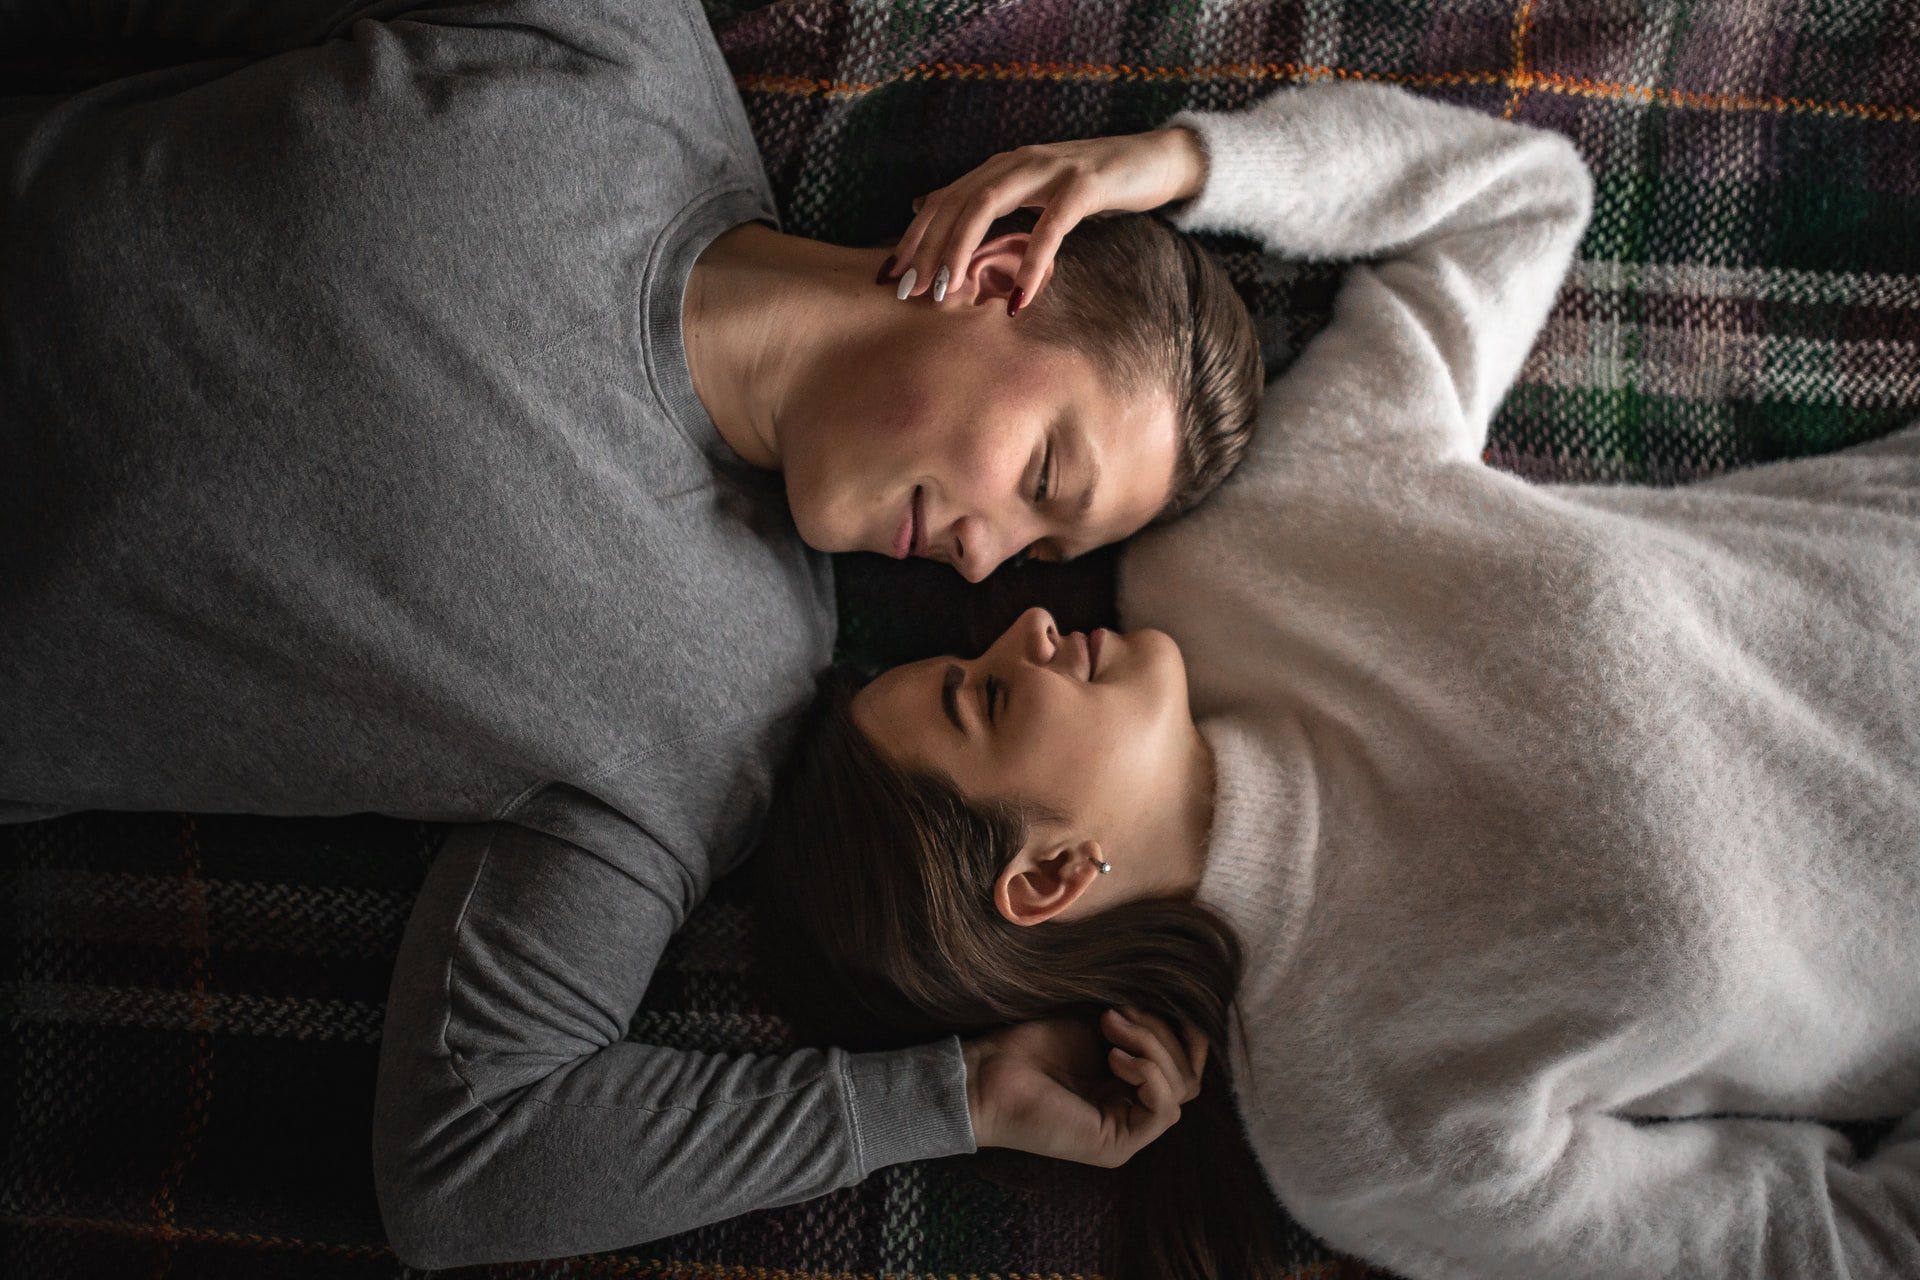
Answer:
x=514 y=1121
x=1471 y=222
x=1600 y=1196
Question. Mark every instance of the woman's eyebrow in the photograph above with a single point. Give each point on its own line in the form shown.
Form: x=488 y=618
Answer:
x=950 y=695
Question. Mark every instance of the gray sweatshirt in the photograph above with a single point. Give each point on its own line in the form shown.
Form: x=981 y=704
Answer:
x=351 y=462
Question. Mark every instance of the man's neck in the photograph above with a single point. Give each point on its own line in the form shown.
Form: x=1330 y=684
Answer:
x=761 y=308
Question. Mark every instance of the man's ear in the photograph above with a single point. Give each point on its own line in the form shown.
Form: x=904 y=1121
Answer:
x=1042 y=880
x=995 y=268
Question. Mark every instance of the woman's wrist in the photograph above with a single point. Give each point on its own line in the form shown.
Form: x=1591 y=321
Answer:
x=1186 y=161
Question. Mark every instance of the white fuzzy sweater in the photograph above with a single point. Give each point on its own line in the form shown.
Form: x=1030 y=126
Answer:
x=1542 y=811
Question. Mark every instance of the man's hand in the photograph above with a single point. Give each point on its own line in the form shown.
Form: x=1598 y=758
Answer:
x=1056 y=1087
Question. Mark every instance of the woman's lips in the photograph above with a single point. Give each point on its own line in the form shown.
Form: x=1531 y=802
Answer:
x=1094 y=638
x=918 y=509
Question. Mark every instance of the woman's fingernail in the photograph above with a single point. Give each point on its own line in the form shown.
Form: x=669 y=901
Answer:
x=940 y=285
x=1014 y=303
x=906 y=285
x=886 y=269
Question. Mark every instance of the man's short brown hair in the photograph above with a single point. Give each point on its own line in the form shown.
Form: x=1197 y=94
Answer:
x=1153 y=308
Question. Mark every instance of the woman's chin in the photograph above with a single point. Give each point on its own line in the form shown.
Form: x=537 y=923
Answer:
x=1160 y=642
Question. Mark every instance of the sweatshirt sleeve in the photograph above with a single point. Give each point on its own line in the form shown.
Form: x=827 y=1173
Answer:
x=1469 y=223
x=512 y=1119
x=1599 y=1196
x=254 y=27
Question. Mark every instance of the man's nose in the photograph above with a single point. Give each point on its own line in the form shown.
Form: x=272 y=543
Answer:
x=973 y=548
x=980 y=548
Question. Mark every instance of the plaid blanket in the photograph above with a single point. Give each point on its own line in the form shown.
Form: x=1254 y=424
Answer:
x=194 y=1002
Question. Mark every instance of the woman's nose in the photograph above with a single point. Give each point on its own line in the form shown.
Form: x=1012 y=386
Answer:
x=1030 y=641
x=1039 y=637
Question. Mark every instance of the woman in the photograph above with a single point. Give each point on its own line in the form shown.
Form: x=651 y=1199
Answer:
x=1565 y=838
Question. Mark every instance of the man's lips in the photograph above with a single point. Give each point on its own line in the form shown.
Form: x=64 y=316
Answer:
x=910 y=538
x=1094 y=637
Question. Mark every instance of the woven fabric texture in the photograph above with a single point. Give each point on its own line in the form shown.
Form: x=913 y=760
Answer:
x=194 y=1002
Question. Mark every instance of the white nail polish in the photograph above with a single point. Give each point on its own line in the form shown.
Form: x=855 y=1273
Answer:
x=940 y=285
x=906 y=286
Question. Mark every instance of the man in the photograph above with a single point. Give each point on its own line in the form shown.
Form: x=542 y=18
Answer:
x=399 y=403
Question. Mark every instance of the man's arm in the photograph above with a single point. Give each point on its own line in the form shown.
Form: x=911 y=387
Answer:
x=513 y=1121
x=217 y=27
x=1471 y=222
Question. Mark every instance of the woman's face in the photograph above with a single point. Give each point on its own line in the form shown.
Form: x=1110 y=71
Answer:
x=1095 y=727
x=947 y=435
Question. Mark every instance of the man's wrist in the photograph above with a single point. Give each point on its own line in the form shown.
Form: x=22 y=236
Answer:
x=973 y=1054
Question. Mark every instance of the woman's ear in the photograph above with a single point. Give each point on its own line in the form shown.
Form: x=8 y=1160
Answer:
x=995 y=268
x=1043 y=880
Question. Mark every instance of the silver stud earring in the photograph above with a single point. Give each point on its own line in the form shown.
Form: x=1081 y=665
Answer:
x=1104 y=866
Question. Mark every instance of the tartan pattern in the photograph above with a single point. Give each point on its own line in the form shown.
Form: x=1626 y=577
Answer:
x=194 y=1002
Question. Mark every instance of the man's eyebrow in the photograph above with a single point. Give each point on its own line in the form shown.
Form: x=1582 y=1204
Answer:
x=950 y=695
x=1084 y=506
x=1093 y=482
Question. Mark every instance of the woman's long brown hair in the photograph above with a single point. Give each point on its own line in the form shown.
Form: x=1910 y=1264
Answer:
x=876 y=926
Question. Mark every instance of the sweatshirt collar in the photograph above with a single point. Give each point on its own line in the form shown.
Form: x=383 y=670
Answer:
x=662 y=345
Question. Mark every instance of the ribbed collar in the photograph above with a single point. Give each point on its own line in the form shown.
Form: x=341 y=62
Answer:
x=1263 y=849
x=697 y=226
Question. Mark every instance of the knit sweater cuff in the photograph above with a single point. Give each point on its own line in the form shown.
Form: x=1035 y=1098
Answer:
x=1252 y=168
x=908 y=1104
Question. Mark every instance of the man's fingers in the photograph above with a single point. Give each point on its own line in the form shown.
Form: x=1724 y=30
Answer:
x=1183 y=1056
x=1155 y=1038
x=1154 y=1108
x=1197 y=1046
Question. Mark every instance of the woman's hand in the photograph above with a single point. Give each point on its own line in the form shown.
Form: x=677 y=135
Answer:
x=1067 y=181
x=1056 y=1088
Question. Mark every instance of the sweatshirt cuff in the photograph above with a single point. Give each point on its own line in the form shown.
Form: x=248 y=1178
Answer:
x=909 y=1104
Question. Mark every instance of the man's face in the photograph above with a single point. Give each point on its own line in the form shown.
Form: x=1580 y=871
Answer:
x=952 y=437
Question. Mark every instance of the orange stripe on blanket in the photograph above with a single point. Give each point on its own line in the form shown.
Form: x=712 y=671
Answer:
x=174 y=1233
x=1522 y=25
x=1520 y=80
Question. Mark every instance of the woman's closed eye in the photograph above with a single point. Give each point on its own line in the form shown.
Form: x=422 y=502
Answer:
x=995 y=688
